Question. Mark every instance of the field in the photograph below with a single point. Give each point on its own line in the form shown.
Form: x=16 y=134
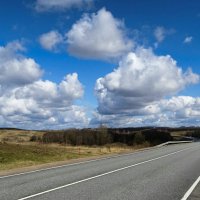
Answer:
x=18 y=136
x=16 y=150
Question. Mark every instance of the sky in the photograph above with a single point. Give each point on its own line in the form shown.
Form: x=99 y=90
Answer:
x=86 y=63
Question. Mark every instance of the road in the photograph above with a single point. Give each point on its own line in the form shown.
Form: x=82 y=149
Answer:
x=159 y=173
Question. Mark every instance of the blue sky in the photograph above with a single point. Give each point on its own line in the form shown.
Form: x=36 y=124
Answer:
x=80 y=63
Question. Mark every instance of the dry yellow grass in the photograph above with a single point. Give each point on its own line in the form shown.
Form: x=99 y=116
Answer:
x=13 y=156
x=16 y=150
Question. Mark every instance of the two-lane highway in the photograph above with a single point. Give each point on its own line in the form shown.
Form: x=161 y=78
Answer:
x=160 y=173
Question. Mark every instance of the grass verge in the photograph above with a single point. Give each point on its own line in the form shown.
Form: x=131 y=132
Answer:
x=13 y=156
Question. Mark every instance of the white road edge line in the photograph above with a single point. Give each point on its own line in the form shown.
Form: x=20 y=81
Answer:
x=189 y=192
x=104 y=174
x=78 y=163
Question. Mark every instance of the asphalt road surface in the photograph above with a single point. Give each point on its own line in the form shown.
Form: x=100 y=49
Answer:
x=164 y=173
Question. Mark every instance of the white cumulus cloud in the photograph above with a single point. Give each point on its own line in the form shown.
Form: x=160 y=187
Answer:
x=16 y=69
x=27 y=101
x=98 y=36
x=174 y=112
x=51 y=40
x=141 y=79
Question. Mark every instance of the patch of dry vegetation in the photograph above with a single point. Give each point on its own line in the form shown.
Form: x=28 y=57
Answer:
x=18 y=136
x=14 y=156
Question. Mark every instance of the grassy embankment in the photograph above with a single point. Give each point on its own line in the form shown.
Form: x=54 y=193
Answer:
x=23 y=155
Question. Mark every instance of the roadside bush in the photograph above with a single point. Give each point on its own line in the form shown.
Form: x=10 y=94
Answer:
x=35 y=138
x=53 y=137
x=157 y=136
x=139 y=138
x=195 y=134
x=79 y=137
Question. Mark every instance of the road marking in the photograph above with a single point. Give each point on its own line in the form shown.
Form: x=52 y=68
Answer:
x=79 y=163
x=189 y=192
x=104 y=174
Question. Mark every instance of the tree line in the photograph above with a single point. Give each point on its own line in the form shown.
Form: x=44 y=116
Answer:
x=103 y=136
